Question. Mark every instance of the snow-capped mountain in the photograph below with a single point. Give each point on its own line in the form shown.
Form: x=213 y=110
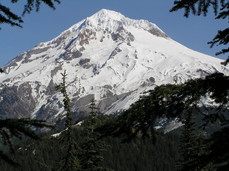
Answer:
x=107 y=56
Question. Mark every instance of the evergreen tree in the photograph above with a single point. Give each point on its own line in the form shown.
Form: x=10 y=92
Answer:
x=18 y=128
x=9 y=17
x=177 y=101
x=219 y=154
x=92 y=146
x=191 y=146
x=174 y=101
x=92 y=107
x=11 y=128
x=199 y=7
x=71 y=161
x=92 y=120
x=194 y=148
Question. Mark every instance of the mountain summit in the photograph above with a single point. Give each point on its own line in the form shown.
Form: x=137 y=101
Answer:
x=107 y=56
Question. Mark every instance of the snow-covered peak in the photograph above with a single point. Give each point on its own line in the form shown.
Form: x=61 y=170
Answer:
x=111 y=21
x=105 y=14
x=107 y=56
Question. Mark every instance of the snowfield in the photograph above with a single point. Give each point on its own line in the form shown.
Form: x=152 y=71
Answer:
x=107 y=56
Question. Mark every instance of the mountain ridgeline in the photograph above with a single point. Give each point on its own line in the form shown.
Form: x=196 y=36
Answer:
x=108 y=57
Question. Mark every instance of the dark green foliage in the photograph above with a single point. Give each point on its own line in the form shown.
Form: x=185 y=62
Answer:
x=18 y=128
x=66 y=100
x=31 y=4
x=93 y=107
x=175 y=101
x=138 y=155
x=219 y=150
x=222 y=38
x=91 y=158
x=36 y=155
x=85 y=156
x=9 y=17
x=92 y=146
x=187 y=144
x=199 y=7
x=192 y=147
x=201 y=153
x=11 y=128
x=70 y=160
x=143 y=155
x=217 y=159
x=8 y=160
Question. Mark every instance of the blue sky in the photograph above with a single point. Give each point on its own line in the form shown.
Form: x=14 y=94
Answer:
x=193 y=32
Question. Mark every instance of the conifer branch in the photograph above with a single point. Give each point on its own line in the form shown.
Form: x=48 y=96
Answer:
x=9 y=17
x=199 y=7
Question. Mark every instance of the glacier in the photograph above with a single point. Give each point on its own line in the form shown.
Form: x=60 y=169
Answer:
x=107 y=56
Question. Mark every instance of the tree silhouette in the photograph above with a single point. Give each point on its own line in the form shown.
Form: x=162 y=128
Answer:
x=193 y=147
x=201 y=7
x=92 y=146
x=9 y=17
x=219 y=152
x=16 y=128
x=70 y=161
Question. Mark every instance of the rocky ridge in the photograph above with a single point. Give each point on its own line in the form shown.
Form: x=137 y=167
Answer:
x=106 y=56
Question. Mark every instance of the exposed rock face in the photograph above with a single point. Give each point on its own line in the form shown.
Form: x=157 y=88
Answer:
x=68 y=55
x=157 y=32
x=17 y=101
x=122 y=35
x=108 y=57
x=86 y=36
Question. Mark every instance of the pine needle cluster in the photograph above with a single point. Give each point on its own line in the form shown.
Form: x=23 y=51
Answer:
x=9 y=17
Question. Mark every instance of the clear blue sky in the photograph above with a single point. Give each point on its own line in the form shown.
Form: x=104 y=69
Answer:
x=193 y=32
